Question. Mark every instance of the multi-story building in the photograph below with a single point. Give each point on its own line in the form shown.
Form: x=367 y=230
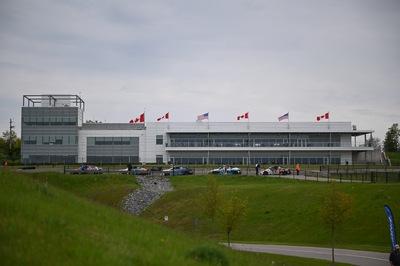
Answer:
x=55 y=132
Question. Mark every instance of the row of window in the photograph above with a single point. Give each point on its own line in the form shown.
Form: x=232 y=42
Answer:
x=270 y=143
x=112 y=141
x=318 y=137
x=50 y=140
x=254 y=140
x=49 y=121
x=273 y=159
x=113 y=159
x=40 y=159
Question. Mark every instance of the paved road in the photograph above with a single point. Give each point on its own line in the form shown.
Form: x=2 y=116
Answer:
x=362 y=258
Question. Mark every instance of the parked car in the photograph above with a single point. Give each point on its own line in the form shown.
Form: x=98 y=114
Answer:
x=227 y=170
x=89 y=169
x=178 y=170
x=275 y=170
x=136 y=170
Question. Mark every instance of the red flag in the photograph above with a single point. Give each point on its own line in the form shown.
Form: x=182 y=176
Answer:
x=166 y=116
x=142 y=118
x=131 y=121
x=245 y=116
x=326 y=116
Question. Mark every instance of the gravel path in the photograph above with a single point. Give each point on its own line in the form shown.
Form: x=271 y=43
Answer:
x=152 y=189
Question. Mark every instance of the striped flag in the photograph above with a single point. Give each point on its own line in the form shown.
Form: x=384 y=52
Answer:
x=285 y=116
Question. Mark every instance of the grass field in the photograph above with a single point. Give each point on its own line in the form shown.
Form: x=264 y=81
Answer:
x=283 y=211
x=56 y=219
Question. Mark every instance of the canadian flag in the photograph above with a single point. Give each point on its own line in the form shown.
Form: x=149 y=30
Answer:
x=138 y=120
x=166 y=116
x=326 y=116
x=245 y=116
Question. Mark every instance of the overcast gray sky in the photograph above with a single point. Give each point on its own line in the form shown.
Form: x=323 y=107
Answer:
x=192 y=57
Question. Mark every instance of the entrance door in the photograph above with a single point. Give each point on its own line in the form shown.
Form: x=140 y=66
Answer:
x=204 y=160
x=285 y=160
x=245 y=160
x=326 y=160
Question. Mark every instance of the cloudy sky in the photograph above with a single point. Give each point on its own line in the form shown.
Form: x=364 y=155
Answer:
x=192 y=57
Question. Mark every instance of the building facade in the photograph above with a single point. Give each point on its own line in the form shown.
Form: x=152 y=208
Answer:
x=56 y=133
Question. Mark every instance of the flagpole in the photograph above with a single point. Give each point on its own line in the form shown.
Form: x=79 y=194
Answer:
x=208 y=119
x=288 y=120
x=248 y=119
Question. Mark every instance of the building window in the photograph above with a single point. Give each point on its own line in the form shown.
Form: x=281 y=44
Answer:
x=159 y=159
x=159 y=140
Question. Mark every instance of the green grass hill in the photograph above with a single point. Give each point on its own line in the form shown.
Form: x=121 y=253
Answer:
x=56 y=219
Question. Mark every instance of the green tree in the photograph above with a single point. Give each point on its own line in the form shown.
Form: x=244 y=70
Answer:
x=336 y=210
x=391 y=142
x=212 y=198
x=231 y=213
x=5 y=151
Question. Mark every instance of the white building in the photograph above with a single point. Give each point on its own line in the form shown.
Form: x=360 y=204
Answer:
x=71 y=140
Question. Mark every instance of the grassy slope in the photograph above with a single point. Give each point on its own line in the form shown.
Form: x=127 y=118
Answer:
x=44 y=225
x=283 y=211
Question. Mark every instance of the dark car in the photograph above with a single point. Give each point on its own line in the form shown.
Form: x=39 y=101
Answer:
x=89 y=169
x=178 y=170
x=276 y=170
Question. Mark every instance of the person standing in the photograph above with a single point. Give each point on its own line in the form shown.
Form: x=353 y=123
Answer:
x=394 y=257
x=129 y=168
x=257 y=166
x=298 y=169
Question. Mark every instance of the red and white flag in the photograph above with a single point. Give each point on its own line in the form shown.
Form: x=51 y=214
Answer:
x=166 y=116
x=245 y=116
x=140 y=119
x=326 y=116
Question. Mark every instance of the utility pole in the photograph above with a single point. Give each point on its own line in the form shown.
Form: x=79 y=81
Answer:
x=11 y=127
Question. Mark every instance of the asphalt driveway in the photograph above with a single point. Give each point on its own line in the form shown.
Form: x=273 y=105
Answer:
x=356 y=257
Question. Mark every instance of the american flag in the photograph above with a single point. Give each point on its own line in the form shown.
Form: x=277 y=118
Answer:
x=202 y=117
x=285 y=116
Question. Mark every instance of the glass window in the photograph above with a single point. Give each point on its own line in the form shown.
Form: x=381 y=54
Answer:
x=159 y=140
x=65 y=140
x=72 y=121
x=126 y=141
x=73 y=140
x=99 y=141
x=39 y=140
x=108 y=141
x=117 y=141
x=58 y=121
x=65 y=121
x=90 y=141
x=58 y=140
x=52 y=139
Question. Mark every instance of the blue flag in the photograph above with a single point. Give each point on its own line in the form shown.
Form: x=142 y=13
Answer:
x=391 y=226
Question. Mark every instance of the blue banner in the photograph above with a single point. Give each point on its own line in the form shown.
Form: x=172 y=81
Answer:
x=391 y=226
